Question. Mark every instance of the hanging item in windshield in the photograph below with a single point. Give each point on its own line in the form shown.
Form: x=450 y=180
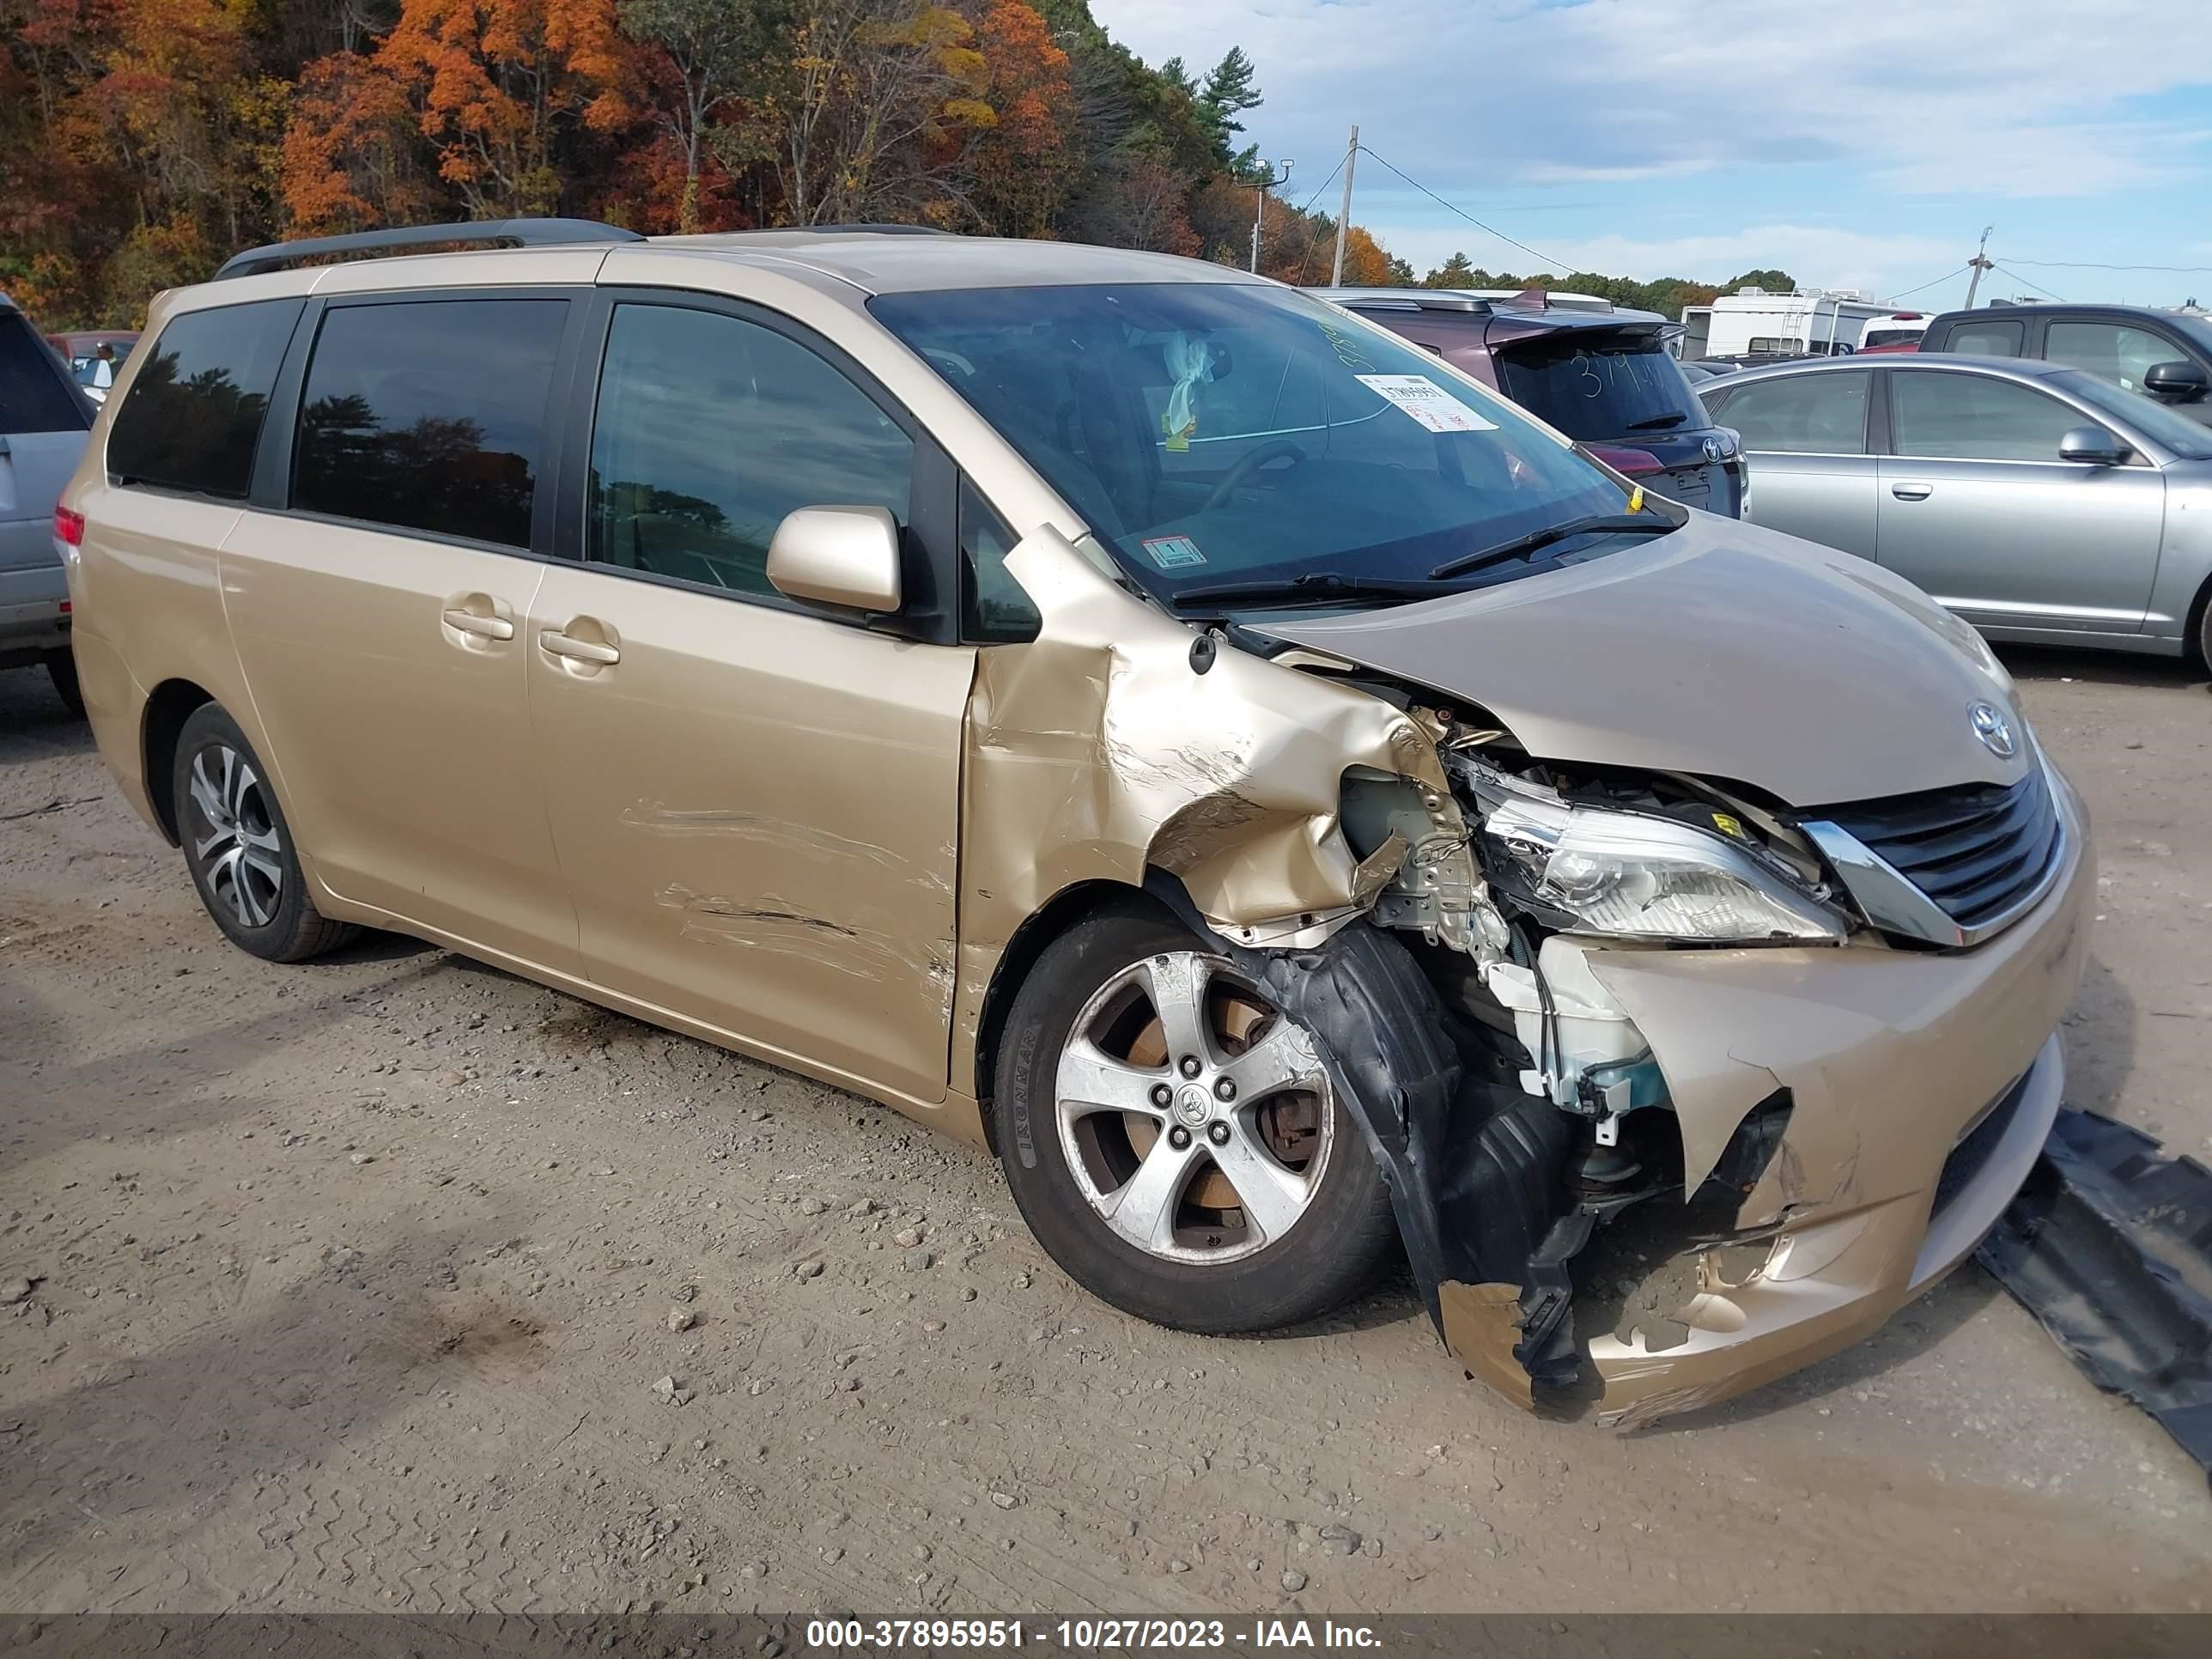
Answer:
x=1284 y=440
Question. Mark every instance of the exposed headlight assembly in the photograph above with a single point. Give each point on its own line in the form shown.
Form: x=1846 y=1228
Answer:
x=1633 y=876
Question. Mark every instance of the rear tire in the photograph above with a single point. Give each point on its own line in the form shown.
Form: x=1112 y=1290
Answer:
x=239 y=847
x=61 y=668
x=1156 y=1191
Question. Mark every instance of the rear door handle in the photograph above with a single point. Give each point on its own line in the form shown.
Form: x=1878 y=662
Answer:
x=554 y=642
x=484 y=627
x=1912 y=492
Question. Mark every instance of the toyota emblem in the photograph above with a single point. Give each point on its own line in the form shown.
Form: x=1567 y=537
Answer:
x=1994 y=730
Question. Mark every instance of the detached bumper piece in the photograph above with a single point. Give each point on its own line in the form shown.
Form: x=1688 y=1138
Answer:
x=2110 y=1246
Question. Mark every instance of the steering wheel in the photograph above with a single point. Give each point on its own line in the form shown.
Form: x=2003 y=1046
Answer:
x=1281 y=449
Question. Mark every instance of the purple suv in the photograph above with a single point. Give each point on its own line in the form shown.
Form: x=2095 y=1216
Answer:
x=1600 y=375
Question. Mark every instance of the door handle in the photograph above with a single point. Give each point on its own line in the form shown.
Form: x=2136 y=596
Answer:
x=1912 y=492
x=555 y=643
x=473 y=620
x=484 y=627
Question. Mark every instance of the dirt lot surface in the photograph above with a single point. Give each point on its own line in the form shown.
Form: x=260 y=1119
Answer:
x=352 y=1285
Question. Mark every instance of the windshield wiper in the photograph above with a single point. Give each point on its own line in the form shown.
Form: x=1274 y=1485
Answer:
x=1314 y=587
x=1655 y=422
x=1619 y=524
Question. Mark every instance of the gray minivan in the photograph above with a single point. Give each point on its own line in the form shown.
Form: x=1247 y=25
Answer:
x=44 y=419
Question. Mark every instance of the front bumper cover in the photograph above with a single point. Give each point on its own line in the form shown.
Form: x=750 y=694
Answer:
x=1920 y=1084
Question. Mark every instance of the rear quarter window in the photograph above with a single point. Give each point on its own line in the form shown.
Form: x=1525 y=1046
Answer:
x=192 y=418
x=33 y=398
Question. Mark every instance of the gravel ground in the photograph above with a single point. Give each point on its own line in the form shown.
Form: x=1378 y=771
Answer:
x=393 y=1282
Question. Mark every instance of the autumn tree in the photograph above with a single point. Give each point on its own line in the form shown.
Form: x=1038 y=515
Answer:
x=1020 y=164
x=709 y=53
x=495 y=83
x=353 y=155
x=871 y=94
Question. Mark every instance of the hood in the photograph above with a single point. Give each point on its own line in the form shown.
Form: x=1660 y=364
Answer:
x=1722 y=649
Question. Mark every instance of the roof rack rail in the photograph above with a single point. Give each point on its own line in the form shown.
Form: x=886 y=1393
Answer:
x=502 y=232
x=872 y=230
x=1403 y=299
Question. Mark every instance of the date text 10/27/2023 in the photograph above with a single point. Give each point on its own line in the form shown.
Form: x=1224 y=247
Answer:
x=1085 y=1635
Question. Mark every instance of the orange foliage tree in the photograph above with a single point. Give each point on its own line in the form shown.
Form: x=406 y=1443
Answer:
x=1020 y=165
x=142 y=141
x=491 y=84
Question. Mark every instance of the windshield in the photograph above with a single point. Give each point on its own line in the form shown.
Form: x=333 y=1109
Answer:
x=1594 y=387
x=1215 y=433
x=2173 y=430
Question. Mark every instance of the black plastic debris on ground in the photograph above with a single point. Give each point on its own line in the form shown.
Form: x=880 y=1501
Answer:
x=2110 y=1246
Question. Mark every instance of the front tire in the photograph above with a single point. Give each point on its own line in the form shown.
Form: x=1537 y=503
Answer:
x=1172 y=1141
x=239 y=847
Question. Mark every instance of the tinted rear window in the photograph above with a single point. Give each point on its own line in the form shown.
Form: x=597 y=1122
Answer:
x=192 y=417
x=1600 y=387
x=429 y=414
x=32 y=397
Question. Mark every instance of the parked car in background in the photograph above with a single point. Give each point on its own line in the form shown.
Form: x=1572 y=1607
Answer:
x=96 y=357
x=43 y=422
x=1179 y=735
x=1706 y=369
x=1899 y=331
x=1603 y=376
x=2164 y=355
x=2037 y=502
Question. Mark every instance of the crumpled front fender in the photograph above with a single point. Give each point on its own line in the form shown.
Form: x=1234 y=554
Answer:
x=1116 y=743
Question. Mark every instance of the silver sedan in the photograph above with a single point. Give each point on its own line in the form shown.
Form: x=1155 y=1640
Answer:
x=2034 y=501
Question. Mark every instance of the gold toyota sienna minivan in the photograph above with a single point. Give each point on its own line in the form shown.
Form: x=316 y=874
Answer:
x=1285 y=803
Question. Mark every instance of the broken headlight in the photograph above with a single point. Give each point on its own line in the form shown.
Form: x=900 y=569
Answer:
x=1634 y=877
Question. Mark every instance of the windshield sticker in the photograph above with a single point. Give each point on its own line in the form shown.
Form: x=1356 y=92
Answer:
x=1426 y=401
x=1173 y=552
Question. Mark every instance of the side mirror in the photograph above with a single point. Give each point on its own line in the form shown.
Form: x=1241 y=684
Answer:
x=2091 y=445
x=842 y=556
x=2179 y=382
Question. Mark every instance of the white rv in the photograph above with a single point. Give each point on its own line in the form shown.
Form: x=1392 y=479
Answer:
x=1821 y=320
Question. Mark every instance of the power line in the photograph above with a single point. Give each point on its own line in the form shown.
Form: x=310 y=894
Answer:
x=1323 y=186
x=2090 y=264
x=1563 y=266
x=1313 y=231
x=2017 y=277
x=1944 y=277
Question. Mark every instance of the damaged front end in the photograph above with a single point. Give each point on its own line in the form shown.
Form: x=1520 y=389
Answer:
x=1549 y=991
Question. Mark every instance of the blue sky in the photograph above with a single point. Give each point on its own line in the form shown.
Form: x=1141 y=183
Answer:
x=1861 y=145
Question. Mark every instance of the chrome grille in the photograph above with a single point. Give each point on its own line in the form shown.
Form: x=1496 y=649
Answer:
x=1978 y=854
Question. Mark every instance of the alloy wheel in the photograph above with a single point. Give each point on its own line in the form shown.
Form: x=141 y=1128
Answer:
x=1194 y=1116
x=236 y=841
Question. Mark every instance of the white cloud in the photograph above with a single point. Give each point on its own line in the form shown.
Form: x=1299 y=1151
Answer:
x=1982 y=98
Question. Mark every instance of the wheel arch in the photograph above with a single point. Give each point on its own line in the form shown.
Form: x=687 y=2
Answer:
x=1073 y=904
x=169 y=707
x=2196 y=640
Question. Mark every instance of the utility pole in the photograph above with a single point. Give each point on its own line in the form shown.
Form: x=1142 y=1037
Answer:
x=1260 y=206
x=1344 y=208
x=1981 y=262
